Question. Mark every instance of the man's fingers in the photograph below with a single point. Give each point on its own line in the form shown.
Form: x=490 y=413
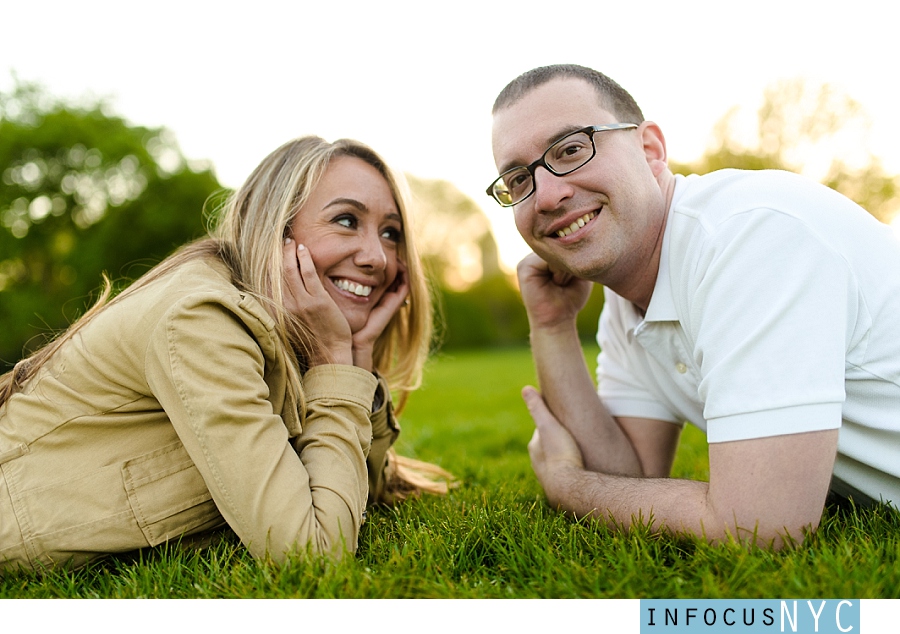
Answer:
x=561 y=278
x=532 y=265
x=536 y=406
x=551 y=440
x=534 y=445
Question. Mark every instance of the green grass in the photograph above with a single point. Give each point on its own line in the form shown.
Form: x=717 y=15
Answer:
x=494 y=537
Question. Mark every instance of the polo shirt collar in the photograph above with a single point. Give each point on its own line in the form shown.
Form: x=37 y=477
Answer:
x=662 y=304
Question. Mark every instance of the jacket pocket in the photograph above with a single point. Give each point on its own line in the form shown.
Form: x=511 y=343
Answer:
x=168 y=495
x=12 y=452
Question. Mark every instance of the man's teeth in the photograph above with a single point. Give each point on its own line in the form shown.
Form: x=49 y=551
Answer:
x=352 y=287
x=578 y=224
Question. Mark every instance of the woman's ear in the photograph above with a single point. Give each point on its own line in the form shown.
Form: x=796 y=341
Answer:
x=654 y=144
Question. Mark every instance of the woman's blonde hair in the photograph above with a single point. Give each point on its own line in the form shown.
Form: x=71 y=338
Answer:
x=248 y=235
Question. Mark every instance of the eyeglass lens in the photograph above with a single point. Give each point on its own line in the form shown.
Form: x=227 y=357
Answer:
x=564 y=156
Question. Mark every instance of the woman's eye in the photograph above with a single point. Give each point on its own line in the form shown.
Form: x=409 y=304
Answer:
x=346 y=221
x=392 y=234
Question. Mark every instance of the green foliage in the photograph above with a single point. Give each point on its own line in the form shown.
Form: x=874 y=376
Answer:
x=800 y=123
x=587 y=319
x=495 y=537
x=456 y=244
x=82 y=192
x=491 y=314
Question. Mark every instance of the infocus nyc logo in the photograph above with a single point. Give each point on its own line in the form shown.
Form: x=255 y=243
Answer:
x=819 y=616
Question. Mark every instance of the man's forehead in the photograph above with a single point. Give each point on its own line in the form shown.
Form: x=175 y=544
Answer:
x=542 y=116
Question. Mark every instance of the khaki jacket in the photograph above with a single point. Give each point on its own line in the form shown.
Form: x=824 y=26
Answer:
x=168 y=415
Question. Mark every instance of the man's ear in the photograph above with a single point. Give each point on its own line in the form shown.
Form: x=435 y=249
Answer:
x=654 y=144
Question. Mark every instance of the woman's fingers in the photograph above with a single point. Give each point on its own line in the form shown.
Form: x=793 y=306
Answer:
x=302 y=280
x=289 y=252
x=296 y=293
x=311 y=282
x=384 y=311
x=380 y=316
x=307 y=299
x=300 y=271
x=392 y=299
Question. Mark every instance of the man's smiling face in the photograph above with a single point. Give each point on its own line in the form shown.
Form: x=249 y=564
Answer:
x=602 y=218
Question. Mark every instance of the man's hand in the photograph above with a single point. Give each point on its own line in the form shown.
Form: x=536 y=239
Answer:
x=553 y=450
x=551 y=298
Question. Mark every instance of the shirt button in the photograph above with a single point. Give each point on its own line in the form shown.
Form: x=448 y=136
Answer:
x=682 y=368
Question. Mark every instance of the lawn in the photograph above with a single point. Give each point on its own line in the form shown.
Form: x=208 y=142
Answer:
x=495 y=537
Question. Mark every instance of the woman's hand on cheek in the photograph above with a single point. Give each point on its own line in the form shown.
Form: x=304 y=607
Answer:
x=364 y=340
x=306 y=298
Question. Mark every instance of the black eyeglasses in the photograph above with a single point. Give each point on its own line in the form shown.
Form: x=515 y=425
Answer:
x=564 y=156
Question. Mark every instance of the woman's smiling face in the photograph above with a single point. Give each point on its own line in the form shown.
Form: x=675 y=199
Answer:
x=353 y=231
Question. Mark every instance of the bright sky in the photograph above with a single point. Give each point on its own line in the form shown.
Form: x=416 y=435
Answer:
x=416 y=79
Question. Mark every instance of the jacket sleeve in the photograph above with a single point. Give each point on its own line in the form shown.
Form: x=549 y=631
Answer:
x=205 y=366
x=385 y=431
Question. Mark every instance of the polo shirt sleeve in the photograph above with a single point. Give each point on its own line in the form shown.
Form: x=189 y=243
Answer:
x=207 y=370
x=620 y=390
x=771 y=309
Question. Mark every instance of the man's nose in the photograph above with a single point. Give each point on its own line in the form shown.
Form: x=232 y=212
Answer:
x=550 y=190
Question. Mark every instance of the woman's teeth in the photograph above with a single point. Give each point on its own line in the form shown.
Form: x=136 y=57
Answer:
x=578 y=224
x=352 y=287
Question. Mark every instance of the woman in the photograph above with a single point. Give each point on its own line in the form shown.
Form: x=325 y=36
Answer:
x=246 y=380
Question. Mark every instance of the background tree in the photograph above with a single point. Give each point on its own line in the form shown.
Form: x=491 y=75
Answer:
x=454 y=235
x=480 y=302
x=82 y=192
x=810 y=128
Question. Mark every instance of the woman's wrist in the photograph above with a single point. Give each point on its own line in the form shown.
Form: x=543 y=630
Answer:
x=343 y=356
x=362 y=358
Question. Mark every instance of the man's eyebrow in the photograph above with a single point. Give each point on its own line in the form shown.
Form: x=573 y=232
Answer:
x=356 y=204
x=548 y=141
x=564 y=131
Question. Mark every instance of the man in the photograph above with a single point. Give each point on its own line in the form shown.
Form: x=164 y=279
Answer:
x=760 y=306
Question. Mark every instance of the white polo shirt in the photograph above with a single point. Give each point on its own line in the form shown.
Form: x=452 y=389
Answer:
x=776 y=311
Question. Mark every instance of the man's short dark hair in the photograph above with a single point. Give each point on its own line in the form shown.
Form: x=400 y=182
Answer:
x=612 y=96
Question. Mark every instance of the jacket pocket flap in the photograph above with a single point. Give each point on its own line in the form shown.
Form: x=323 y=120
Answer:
x=167 y=494
x=13 y=452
